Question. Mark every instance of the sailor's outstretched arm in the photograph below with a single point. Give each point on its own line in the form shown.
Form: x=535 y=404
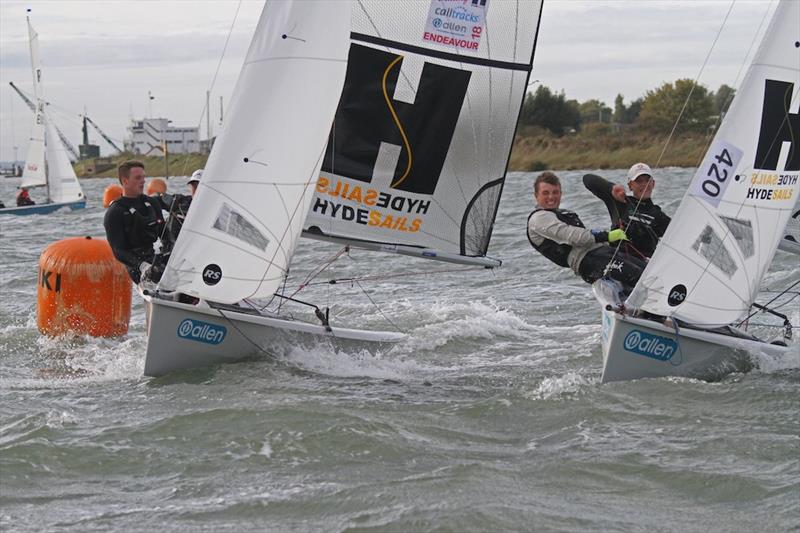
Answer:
x=547 y=225
x=604 y=190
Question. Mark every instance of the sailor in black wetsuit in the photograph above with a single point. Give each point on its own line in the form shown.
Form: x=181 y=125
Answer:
x=643 y=221
x=135 y=225
x=560 y=236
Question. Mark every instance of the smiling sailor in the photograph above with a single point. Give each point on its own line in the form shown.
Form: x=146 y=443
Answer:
x=560 y=236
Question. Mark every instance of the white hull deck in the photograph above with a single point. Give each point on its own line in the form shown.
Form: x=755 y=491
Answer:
x=635 y=348
x=186 y=336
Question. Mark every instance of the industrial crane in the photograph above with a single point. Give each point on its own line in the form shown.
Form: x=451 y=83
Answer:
x=102 y=134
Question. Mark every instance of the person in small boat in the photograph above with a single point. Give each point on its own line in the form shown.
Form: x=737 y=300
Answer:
x=24 y=198
x=560 y=236
x=644 y=222
x=136 y=227
x=2 y=205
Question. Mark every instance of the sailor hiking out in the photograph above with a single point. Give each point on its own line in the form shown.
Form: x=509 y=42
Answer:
x=560 y=236
x=643 y=221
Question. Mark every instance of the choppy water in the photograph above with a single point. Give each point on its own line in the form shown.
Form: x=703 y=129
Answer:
x=490 y=418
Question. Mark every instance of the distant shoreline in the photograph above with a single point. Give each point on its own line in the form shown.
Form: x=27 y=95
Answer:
x=533 y=151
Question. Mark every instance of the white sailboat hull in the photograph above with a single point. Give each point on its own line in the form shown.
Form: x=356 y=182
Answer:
x=186 y=336
x=635 y=348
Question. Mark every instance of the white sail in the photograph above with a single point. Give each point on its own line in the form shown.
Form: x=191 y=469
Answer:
x=709 y=264
x=791 y=238
x=33 y=175
x=244 y=223
x=62 y=183
x=418 y=154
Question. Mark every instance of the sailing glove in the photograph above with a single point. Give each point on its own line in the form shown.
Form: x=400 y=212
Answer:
x=609 y=236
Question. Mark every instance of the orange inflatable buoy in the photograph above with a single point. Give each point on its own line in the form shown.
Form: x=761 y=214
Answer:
x=82 y=289
x=111 y=193
x=156 y=186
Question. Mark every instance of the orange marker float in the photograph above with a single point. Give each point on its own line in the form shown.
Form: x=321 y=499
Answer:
x=111 y=193
x=82 y=289
x=156 y=186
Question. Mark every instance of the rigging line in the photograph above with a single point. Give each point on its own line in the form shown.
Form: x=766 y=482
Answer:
x=378 y=33
x=216 y=73
x=377 y=308
x=314 y=273
x=767 y=304
x=675 y=124
x=287 y=233
x=243 y=334
x=397 y=121
x=782 y=125
x=389 y=276
x=694 y=84
x=731 y=95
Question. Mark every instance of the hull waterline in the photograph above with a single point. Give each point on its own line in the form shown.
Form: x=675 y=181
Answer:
x=186 y=336
x=43 y=209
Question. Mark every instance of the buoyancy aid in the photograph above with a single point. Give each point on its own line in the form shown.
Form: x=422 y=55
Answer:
x=143 y=224
x=556 y=252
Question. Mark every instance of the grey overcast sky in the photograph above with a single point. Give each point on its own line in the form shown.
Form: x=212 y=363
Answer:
x=104 y=56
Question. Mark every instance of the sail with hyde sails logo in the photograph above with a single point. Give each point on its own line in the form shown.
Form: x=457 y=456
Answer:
x=456 y=23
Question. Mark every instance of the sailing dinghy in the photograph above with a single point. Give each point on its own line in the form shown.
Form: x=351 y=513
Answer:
x=706 y=272
x=47 y=163
x=411 y=162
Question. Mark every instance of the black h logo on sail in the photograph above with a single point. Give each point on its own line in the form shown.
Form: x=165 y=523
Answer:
x=778 y=125
x=368 y=115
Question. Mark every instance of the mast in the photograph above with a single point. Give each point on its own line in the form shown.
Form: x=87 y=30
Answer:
x=68 y=145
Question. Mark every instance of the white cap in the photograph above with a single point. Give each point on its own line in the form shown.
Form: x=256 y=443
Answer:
x=196 y=175
x=639 y=169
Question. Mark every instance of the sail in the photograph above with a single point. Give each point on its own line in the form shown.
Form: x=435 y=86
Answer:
x=417 y=156
x=33 y=175
x=791 y=238
x=62 y=184
x=708 y=267
x=244 y=223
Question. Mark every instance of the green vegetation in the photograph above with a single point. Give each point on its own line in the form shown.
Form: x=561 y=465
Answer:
x=106 y=167
x=598 y=147
x=558 y=133
x=562 y=134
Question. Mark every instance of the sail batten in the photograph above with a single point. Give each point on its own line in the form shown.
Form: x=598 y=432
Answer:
x=709 y=265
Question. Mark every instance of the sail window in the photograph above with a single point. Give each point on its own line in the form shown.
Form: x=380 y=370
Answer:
x=742 y=231
x=710 y=247
x=234 y=224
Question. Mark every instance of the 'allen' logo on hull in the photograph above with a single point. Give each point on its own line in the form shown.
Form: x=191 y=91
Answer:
x=649 y=345
x=197 y=330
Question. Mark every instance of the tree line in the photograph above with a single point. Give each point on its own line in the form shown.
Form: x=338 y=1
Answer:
x=655 y=112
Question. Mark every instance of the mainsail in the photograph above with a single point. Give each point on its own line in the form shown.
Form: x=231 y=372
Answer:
x=33 y=175
x=709 y=264
x=417 y=157
x=244 y=224
x=62 y=182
